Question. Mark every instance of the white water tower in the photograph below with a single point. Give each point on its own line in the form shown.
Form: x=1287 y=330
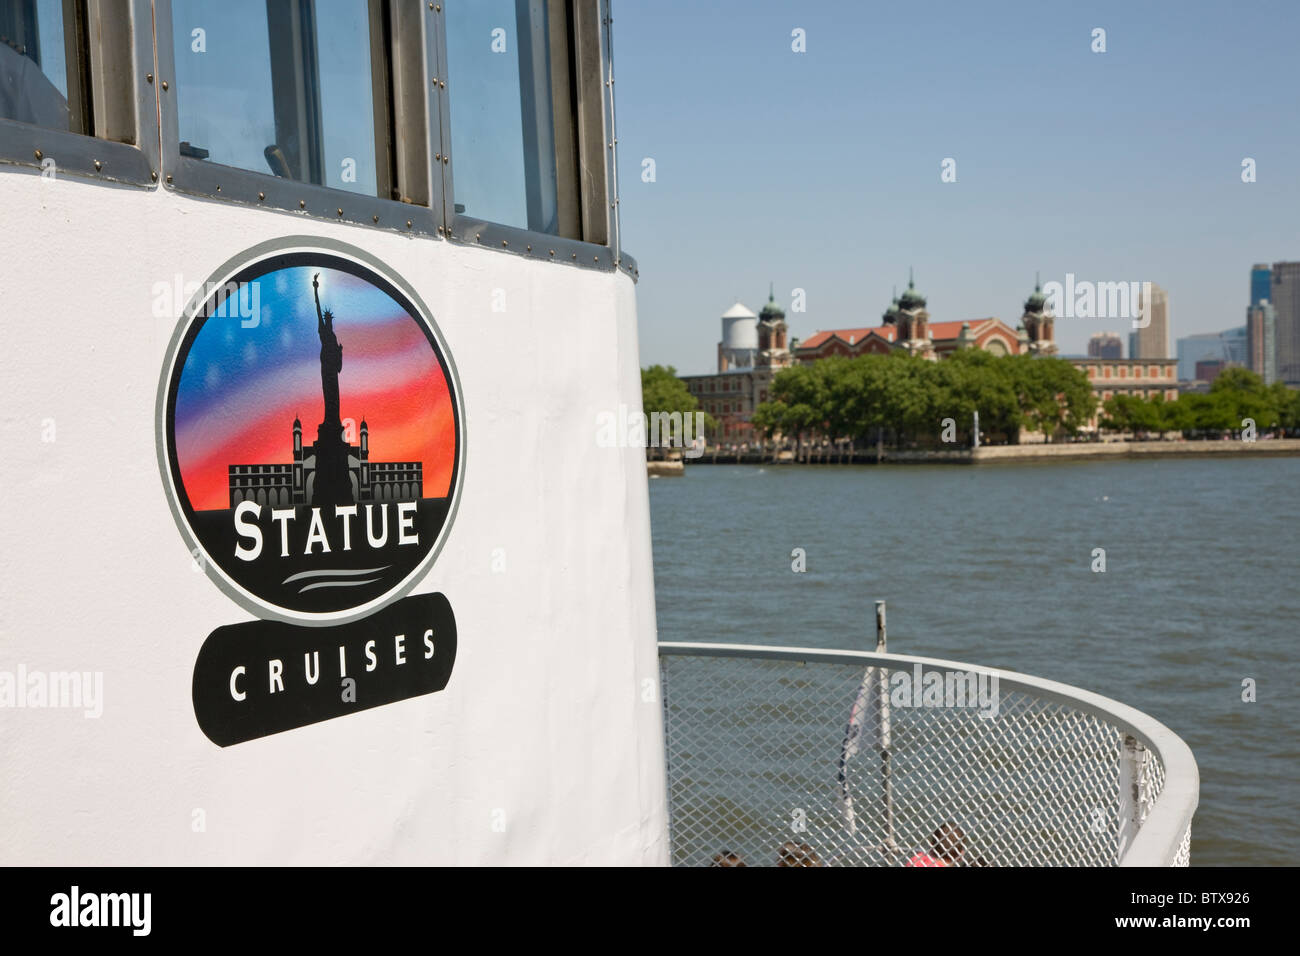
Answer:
x=739 y=342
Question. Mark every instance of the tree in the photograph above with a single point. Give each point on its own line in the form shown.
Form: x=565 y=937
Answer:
x=662 y=391
x=973 y=380
x=1174 y=416
x=909 y=397
x=1053 y=394
x=1242 y=394
x=1287 y=402
x=1119 y=413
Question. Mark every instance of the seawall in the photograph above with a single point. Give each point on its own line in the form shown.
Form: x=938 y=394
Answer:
x=1065 y=451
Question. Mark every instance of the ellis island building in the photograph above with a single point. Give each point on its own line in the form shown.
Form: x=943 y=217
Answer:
x=754 y=348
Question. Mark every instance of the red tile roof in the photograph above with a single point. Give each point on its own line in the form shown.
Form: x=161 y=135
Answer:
x=857 y=335
x=939 y=331
x=950 y=330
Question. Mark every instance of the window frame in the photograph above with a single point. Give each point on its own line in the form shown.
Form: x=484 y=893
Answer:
x=136 y=100
x=118 y=80
x=592 y=138
x=403 y=161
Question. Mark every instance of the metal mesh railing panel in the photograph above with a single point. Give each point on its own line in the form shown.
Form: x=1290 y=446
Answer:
x=755 y=750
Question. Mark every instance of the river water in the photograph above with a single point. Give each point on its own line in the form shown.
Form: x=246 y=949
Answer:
x=992 y=565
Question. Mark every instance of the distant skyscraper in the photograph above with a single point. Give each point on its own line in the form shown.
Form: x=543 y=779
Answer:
x=1285 y=298
x=1261 y=341
x=1106 y=345
x=1193 y=349
x=1152 y=341
x=1209 y=370
x=1260 y=284
x=1236 y=346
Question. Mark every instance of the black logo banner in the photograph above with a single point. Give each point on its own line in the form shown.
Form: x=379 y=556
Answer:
x=265 y=677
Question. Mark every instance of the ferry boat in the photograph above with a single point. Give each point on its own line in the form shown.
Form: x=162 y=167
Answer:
x=312 y=554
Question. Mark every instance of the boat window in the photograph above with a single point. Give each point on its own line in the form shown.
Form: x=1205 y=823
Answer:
x=526 y=122
x=482 y=121
x=284 y=87
x=42 y=47
x=502 y=115
x=75 y=89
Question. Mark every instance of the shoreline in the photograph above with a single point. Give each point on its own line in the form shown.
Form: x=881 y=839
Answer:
x=1065 y=451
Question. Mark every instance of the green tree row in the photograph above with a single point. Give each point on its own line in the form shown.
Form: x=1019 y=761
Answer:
x=907 y=399
x=663 y=391
x=1236 y=395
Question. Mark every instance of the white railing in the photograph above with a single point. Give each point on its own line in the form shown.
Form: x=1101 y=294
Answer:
x=821 y=757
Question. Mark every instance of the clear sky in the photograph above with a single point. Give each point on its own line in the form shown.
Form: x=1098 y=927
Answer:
x=821 y=170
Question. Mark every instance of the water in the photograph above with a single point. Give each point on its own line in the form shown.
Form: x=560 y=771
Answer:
x=991 y=565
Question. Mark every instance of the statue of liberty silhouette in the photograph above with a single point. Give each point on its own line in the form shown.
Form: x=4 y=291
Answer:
x=331 y=358
x=332 y=483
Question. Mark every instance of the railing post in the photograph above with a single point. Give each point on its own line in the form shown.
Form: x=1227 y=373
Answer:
x=1134 y=801
x=882 y=722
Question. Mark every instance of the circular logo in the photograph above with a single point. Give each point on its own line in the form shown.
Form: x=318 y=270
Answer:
x=310 y=432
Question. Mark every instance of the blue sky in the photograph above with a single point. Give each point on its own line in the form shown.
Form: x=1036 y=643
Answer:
x=821 y=170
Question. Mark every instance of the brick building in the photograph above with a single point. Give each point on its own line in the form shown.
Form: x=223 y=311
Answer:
x=753 y=349
x=906 y=326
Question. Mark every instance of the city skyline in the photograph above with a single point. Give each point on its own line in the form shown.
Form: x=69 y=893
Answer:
x=1067 y=161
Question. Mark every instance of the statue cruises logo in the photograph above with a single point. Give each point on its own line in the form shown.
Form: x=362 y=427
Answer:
x=313 y=459
x=324 y=522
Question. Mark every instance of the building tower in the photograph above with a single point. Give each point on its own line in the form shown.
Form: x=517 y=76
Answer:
x=299 y=493
x=891 y=314
x=363 y=457
x=1261 y=340
x=773 y=351
x=1039 y=323
x=1107 y=345
x=1284 y=288
x=1261 y=280
x=1151 y=341
x=912 y=321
